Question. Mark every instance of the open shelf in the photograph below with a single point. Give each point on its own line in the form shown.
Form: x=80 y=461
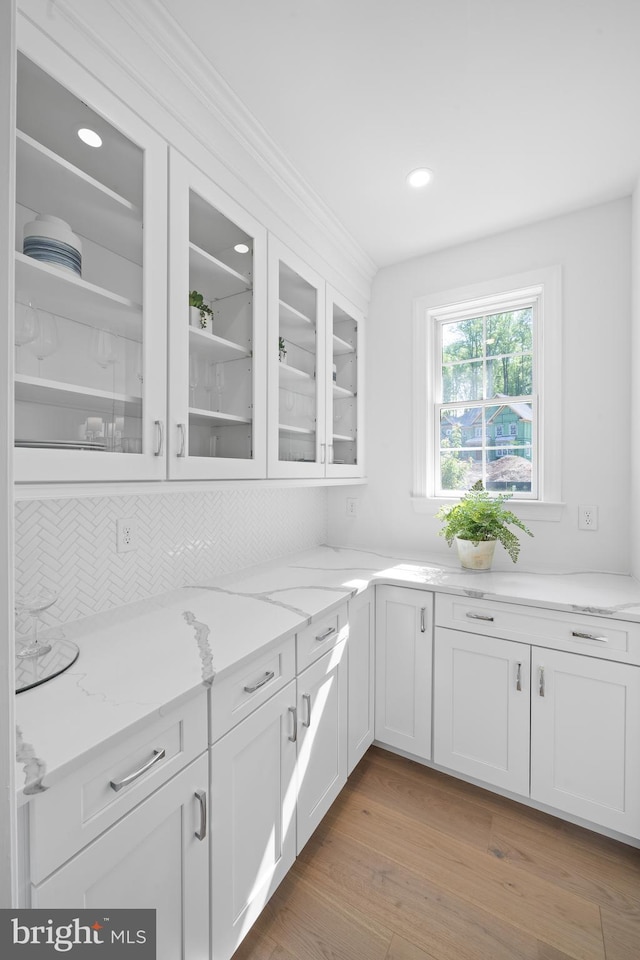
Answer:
x=213 y=278
x=215 y=418
x=341 y=347
x=46 y=183
x=37 y=390
x=217 y=348
x=67 y=295
x=296 y=380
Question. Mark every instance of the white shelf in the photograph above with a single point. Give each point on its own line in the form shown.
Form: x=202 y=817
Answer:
x=291 y=430
x=213 y=278
x=338 y=437
x=215 y=418
x=67 y=295
x=341 y=347
x=54 y=392
x=217 y=348
x=297 y=327
x=297 y=381
x=341 y=393
x=46 y=183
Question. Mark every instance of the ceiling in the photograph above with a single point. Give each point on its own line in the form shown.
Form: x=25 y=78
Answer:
x=523 y=109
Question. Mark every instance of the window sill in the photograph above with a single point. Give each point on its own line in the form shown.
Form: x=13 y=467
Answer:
x=525 y=509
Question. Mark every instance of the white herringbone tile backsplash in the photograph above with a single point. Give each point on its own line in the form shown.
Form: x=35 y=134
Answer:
x=70 y=545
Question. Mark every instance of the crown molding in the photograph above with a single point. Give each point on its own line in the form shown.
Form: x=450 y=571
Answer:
x=160 y=32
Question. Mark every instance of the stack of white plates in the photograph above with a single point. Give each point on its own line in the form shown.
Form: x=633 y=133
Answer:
x=51 y=240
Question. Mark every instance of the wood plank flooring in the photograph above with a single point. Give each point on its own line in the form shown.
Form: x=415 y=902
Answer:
x=410 y=864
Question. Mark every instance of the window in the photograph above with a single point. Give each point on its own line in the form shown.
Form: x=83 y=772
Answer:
x=487 y=389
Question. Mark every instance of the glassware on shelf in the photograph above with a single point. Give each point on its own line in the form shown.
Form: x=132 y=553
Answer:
x=26 y=326
x=209 y=383
x=193 y=377
x=45 y=341
x=34 y=604
x=103 y=348
x=219 y=375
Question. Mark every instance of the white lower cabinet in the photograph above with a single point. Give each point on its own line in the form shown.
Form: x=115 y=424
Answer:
x=585 y=738
x=155 y=857
x=361 y=653
x=481 y=708
x=403 y=669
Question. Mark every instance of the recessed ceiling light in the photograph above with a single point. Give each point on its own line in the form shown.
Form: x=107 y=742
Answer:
x=90 y=137
x=241 y=248
x=419 y=177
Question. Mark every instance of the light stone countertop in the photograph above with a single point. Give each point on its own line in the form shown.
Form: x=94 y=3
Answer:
x=137 y=660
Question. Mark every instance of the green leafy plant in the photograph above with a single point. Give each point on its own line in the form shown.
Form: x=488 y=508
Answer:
x=479 y=516
x=197 y=300
x=282 y=350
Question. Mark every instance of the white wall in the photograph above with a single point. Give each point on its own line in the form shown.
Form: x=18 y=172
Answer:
x=635 y=382
x=592 y=247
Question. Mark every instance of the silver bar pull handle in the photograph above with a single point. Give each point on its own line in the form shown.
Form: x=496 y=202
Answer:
x=323 y=452
x=201 y=797
x=294 y=713
x=306 y=697
x=479 y=616
x=588 y=636
x=519 y=677
x=160 y=434
x=269 y=675
x=541 y=682
x=423 y=626
x=326 y=634
x=182 y=427
x=116 y=785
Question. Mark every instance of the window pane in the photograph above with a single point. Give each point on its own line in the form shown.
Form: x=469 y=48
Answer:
x=462 y=340
x=509 y=468
x=509 y=376
x=462 y=381
x=510 y=332
x=460 y=447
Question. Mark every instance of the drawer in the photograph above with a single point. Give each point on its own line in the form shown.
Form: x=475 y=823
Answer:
x=80 y=807
x=578 y=632
x=238 y=693
x=321 y=635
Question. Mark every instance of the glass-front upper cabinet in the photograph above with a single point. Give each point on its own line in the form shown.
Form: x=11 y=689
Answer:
x=217 y=331
x=90 y=262
x=297 y=364
x=345 y=388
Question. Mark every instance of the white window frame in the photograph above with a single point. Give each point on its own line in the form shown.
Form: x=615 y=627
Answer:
x=546 y=287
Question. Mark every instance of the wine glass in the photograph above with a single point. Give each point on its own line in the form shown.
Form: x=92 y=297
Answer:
x=103 y=348
x=34 y=603
x=219 y=374
x=193 y=376
x=45 y=341
x=26 y=326
x=209 y=382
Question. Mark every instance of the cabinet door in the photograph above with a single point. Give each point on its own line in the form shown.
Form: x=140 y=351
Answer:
x=253 y=806
x=404 y=642
x=322 y=738
x=360 y=648
x=217 y=357
x=585 y=744
x=297 y=446
x=91 y=247
x=481 y=708
x=344 y=387
x=152 y=858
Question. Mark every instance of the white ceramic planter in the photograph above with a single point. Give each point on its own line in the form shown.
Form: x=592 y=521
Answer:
x=476 y=556
x=196 y=321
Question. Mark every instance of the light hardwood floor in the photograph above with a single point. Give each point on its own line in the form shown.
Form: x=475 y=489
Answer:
x=410 y=864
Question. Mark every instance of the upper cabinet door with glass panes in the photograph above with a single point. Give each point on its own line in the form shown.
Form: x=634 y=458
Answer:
x=298 y=446
x=486 y=417
x=217 y=331
x=345 y=388
x=90 y=318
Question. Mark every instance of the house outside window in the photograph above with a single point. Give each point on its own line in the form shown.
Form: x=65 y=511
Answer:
x=487 y=374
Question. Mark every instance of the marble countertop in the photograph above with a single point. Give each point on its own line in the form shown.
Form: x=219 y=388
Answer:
x=137 y=660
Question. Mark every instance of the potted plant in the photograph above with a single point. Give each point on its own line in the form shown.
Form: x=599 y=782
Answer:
x=282 y=350
x=200 y=313
x=476 y=523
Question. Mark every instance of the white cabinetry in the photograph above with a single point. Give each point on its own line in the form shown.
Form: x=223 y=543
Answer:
x=344 y=417
x=153 y=852
x=361 y=662
x=90 y=383
x=217 y=365
x=404 y=643
x=568 y=719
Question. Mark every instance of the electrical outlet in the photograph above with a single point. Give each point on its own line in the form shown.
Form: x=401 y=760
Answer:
x=587 y=518
x=352 y=506
x=127 y=535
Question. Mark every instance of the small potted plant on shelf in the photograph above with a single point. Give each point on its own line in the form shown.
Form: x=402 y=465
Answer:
x=476 y=523
x=282 y=350
x=200 y=313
